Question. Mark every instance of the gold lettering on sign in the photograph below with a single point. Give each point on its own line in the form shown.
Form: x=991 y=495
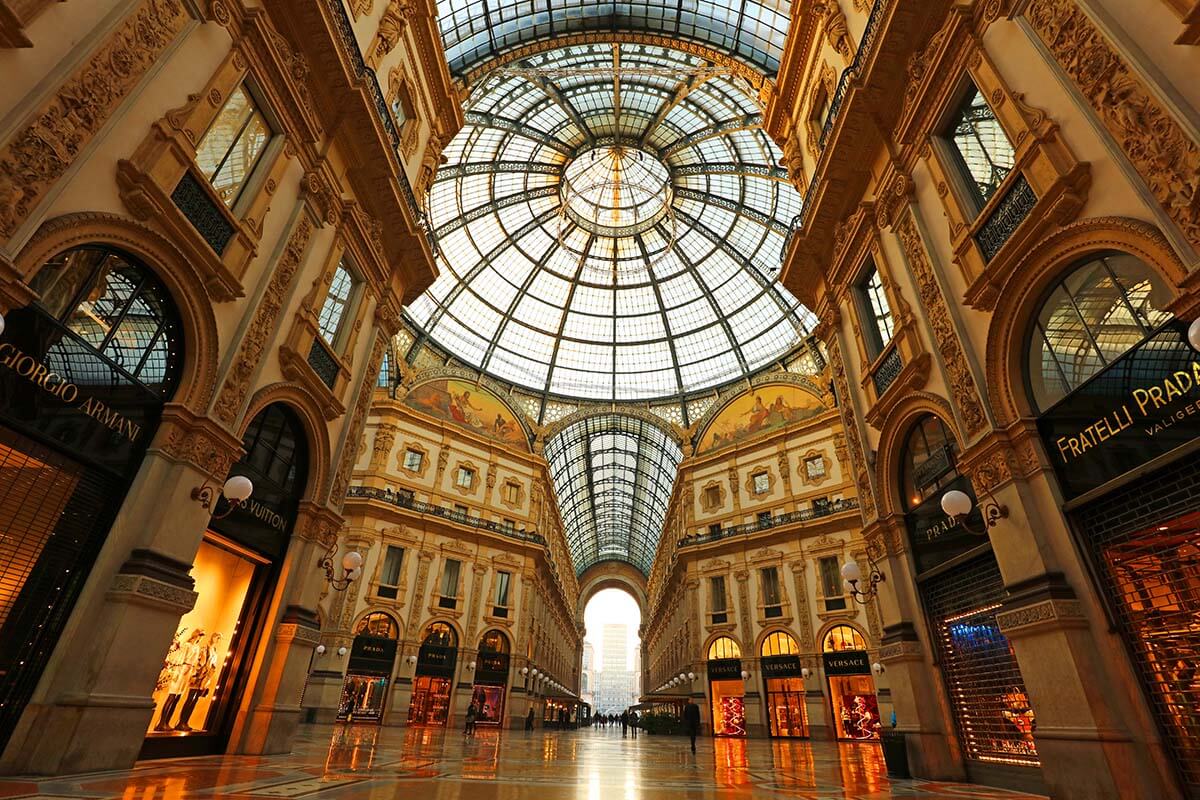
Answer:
x=55 y=385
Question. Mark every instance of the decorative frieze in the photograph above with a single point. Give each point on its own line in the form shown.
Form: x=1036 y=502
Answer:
x=356 y=423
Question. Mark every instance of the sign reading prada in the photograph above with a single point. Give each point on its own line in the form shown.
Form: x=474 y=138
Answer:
x=1143 y=405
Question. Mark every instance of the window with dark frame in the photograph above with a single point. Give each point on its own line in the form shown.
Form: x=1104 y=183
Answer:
x=879 y=326
x=233 y=145
x=413 y=460
x=979 y=146
x=332 y=319
x=928 y=461
x=716 y=602
x=389 y=574
x=464 y=478
x=449 y=593
x=830 y=573
x=503 y=581
x=772 y=597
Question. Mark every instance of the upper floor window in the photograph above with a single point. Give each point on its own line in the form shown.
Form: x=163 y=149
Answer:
x=764 y=519
x=116 y=307
x=772 y=596
x=503 y=581
x=332 y=318
x=716 y=598
x=814 y=467
x=512 y=492
x=449 y=591
x=389 y=574
x=724 y=647
x=928 y=461
x=762 y=483
x=464 y=478
x=980 y=147
x=413 y=460
x=233 y=145
x=1098 y=312
x=876 y=312
x=843 y=637
x=830 y=583
x=714 y=529
x=712 y=497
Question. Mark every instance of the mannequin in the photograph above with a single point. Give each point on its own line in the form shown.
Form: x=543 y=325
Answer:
x=178 y=668
x=203 y=673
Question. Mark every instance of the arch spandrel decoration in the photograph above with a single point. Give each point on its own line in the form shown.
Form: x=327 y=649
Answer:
x=762 y=410
x=471 y=406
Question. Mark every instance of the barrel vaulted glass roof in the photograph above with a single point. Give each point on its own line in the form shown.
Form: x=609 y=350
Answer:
x=610 y=223
x=613 y=476
x=477 y=30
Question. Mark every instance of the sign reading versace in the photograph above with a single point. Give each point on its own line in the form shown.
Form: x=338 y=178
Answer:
x=780 y=666
x=722 y=669
x=847 y=662
x=1141 y=406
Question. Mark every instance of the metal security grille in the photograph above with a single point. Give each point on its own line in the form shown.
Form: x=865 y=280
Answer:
x=991 y=709
x=1144 y=541
x=52 y=522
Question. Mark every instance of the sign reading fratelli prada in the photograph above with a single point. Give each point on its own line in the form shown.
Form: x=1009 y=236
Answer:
x=1141 y=406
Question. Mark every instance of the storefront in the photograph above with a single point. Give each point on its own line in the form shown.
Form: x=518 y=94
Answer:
x=851 y=688
x=726 y=688
x=491 y=679
x=369 y=670
x=207 y=665
x=783 y=683
x=84 y=374
x=962 y=591
x=1141 y=531
x=434 y=676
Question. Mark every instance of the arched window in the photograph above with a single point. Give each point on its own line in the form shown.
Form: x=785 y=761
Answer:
x=111 y=303
x=440 y=634
x=275 y=448
x=493 y=642
x=843 y=637
x=780 y=644
x=724 y=648
x=928 y=460
x=1099 y=311
x=378 y=624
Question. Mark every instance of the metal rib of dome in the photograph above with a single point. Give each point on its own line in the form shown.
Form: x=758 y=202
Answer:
x=478 y=30
x=613 y=476
x=610 y=223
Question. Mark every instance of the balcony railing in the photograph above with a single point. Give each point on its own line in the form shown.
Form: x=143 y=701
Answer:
x=803 y=515
x=406 y=500
x=341 y=18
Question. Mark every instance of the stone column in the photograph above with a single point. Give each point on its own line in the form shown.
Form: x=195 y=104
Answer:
x=93 y=705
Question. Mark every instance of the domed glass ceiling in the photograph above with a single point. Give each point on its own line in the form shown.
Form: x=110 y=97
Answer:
x=610 y=222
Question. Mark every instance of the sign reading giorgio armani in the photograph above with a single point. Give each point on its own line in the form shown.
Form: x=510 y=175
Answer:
x=1143 y=405
x=847 y=662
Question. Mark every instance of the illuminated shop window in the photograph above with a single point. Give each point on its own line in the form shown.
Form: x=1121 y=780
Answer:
x=724 y=647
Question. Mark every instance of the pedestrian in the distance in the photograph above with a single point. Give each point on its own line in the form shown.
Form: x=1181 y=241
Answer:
x=691 y=720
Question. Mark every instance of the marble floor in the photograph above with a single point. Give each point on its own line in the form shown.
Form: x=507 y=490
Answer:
x=369 y=763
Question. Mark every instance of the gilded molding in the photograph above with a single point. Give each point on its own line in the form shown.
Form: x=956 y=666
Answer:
x=237 y=383
x=356 y=422
x=1045 y=612
x=1166 y=157
x=958 y=372
x=858 y=460
x=198 y=441
x=41 y=153
x=148 y=591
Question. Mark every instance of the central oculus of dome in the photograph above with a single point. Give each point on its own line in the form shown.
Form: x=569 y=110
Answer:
x=616 y=191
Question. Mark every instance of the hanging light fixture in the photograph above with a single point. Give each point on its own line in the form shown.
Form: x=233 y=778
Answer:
x=852 y=576
x=351 y=566
x=957 y=506
x=235 y=491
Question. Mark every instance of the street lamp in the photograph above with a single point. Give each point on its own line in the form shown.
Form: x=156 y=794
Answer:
x=852 y=576
x=957 y=506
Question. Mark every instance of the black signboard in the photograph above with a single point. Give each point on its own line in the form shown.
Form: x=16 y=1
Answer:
x=780 y=666
x=935 y=537
x=492 y=669
x=56 y=388
x=847 y=662
x=1142 y=406
x=437 y=661
x=372 y=654
x=723 y=669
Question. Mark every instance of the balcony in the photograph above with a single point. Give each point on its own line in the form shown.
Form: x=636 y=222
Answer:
x=406 y=500
x=764 y=524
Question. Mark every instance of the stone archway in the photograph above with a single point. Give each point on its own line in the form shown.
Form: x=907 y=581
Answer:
x=612 y=575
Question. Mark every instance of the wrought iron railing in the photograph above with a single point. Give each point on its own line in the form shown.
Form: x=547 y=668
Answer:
x=341 y=18
x=1008 y=214
x=865 y=45
x=803 y=515
x=887 y=371
x=406 y=500
x=323 y=363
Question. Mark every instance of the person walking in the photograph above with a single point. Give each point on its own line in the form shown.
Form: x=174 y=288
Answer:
x=529 y=719
x=624 y=723
x=472 y=713
x=691 y=721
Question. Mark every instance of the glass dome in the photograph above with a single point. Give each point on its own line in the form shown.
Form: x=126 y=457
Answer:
x=610 y=222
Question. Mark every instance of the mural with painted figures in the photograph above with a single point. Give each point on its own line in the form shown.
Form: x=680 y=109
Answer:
x=765 y=409
x=470 y=406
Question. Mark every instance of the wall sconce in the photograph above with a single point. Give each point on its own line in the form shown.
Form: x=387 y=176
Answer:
x=745 y=675
x=351 y=566
x=877 y=668
x=471 y=666
x=320 y=649
x=691 y=676
x=524 y=670
x=682 y=677
x=1193 y=333
x=236 y=490
x=412 y=659
x=341 y=651
x=805 y=673
x=852 y=576
x=957 y=506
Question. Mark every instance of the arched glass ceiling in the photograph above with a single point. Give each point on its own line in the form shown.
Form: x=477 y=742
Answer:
x=477 y=30
x=610 y=223
x=613 y=476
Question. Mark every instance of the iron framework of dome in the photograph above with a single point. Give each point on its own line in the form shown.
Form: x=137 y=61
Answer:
x=610 y=222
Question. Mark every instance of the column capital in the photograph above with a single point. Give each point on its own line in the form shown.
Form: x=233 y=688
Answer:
x=200 y=442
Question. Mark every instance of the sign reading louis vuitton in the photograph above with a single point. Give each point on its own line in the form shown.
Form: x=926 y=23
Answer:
x=1143 y=405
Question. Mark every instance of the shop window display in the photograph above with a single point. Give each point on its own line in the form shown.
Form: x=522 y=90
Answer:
x=851 y=687
x=787 y=715
x=190 y=685
x=489 y=705
x=369 y=670
x=363 y=698
x=729 y=708
x=434 y=675
x=430 y=702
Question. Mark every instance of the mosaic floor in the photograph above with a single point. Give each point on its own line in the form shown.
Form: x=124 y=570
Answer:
x=369 y=763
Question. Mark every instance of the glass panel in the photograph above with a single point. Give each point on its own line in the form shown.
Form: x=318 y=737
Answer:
x=770 y=580
x=390 y=575
x=831 y=577
x=984 y=152
x=716 y=588
x=337 y=301
x=855 y=708
x=502 y=581
x=413 y=460
x=843 y=637
x=780 y=644
x=879 y=313
x=231 y=147
x=762 y=483
x=724 y=647
x=450 y=578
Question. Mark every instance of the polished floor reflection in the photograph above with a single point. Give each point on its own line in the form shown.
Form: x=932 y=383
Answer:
x=370 y=763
